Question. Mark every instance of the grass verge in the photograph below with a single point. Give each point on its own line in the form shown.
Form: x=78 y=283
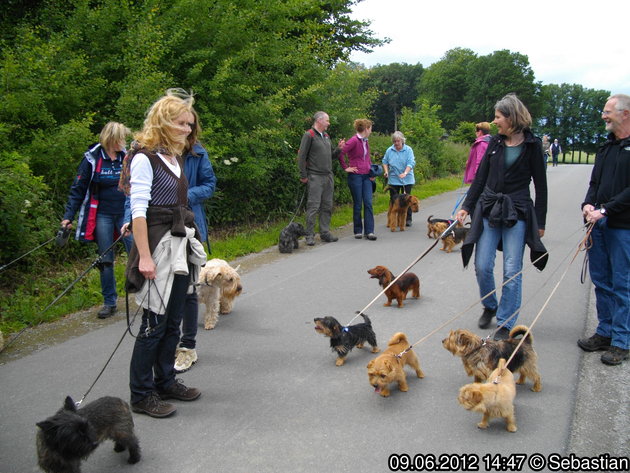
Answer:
x=25 y=306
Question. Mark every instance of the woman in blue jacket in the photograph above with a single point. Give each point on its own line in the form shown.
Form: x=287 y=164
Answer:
x=101 y=206
x=201 y=185
x=398 y=164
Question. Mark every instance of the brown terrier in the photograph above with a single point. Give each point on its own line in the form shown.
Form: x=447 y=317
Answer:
x=397 y=213
x=480 y=357
x=436 y=226
x=494 y=398
x=452 y=238
x=407 y=282
x=389 y=366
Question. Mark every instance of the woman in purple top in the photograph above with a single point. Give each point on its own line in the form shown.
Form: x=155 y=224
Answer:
x=357 y=149
x=477 y=151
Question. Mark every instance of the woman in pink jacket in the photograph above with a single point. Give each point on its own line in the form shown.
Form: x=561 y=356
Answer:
x=357 y=149
x=477 y=151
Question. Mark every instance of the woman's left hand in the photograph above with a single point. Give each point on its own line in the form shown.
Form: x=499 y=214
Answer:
x=541 y=232
x=351 y=169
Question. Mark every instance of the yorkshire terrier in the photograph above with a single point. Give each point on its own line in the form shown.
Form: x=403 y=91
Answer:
x=480 y=357
x=436 y=226
x=494 y=398
x=388 y=367
x=72 y=434
x=289 y=237
x=453 y=237
x=407 y=282
x=344 y=339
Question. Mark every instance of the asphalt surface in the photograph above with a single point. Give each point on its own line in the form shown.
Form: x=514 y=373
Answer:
x=274 y=401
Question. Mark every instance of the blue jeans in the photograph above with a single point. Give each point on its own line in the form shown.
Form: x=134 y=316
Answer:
x=361 y=190
x=609 y=265
x=190 y=321
x=106 y=225
x=485 y=253
x=152 y=361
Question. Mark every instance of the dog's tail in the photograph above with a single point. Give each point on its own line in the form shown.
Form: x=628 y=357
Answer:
x=398 y=338
x=429 y=218
x=365 y=318
x=521 y=330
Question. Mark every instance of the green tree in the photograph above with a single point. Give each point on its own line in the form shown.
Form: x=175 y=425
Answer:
x=397 y=87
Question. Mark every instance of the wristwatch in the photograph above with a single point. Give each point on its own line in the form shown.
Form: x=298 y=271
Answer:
x=602 y=210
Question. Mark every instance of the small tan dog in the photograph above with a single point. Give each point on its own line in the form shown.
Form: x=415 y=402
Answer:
x=494 y=398
x=397 y=213
x=388 y=367
x=219 y=284
x=480 y=357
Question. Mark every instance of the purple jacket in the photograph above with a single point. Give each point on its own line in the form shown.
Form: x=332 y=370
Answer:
x=358 y=156
x=477 y=151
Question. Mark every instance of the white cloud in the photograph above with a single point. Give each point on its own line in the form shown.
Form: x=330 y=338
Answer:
x=582 y=43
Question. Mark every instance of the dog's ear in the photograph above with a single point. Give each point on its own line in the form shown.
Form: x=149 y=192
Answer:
x=69 y=404
x=476 y=396
x=370 y=364
x=45 y=425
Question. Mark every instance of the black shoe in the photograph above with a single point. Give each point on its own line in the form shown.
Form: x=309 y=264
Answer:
x=486 y=317
x=502 y=334
x=107 y=311
x=594 y=343
x=371 y=236
x=328 y=237
x=179 y=391
x=153 y=406
x=310 y=240
x=408 y=223
x=615 y=355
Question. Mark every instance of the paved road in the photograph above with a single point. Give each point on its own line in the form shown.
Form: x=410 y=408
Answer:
x=274 y=401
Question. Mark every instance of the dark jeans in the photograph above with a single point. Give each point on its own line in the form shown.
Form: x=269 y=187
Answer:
x=190 y=321
x=361 y=190
x=153 y=358
x=106 y=225
x=395 y=190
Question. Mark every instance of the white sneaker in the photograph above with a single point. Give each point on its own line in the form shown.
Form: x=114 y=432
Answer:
x=184 y=359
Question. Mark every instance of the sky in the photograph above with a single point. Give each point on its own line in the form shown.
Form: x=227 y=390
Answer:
x=583 y=42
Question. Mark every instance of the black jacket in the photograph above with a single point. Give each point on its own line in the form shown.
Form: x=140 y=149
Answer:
x=503 y=196
x=610 y=182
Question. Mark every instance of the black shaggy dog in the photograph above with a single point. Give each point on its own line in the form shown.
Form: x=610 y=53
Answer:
x=343 y=339
x=289 y=237
x=70 y=435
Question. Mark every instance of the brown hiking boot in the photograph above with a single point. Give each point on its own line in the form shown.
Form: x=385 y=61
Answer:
x=615 y=355
x=179 y=391
x=153 y=406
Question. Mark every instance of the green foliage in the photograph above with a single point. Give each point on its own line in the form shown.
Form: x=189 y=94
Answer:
x=397 y=87
x=25 y=213
x=423 y=130
x=464 y=133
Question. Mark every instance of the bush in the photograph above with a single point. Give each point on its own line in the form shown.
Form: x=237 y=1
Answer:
x=26 y=217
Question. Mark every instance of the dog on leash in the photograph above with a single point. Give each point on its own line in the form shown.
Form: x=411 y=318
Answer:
x=480 y=357
x=344 y=339
x=454 y=237
x=397 y=213
x=219 y=284
x=289 y=237
x=389 y=366
x=436 y=226
x=72 y=434
x=494 y=398
x=407 y=282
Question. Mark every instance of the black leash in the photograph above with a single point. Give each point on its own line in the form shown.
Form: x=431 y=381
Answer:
x=61 y=237
x=298 y=206
x=94 y=263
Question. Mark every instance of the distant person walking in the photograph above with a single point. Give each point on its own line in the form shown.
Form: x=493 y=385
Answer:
x=546 y=144
x=398 y=164
x=477 y=151
x=315 y=164
x=555 y=149
x=607 y=206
